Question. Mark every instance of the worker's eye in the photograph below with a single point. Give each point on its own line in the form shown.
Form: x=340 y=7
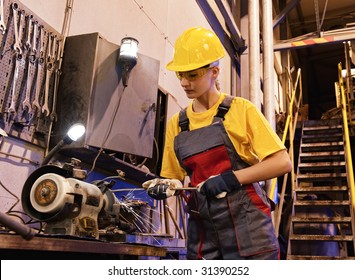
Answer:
x=192 y=76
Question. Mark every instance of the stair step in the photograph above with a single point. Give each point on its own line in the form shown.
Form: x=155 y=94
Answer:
x=309 y=177
x=322 y=156
x=318 y=237
x=323 y=220
x=311 y=203
x=322 y=132
x=317 y=189
x=319 y=123
x=324 y=144
x=307 y=257
x=322 y=147
x=321 y=165
x=323 y=128
x=309 y=166
x=322 y=138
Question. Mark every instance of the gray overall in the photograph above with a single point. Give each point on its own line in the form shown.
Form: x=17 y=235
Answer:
x=238 y=226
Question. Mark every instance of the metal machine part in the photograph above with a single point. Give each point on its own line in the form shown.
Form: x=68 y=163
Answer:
x=68 y=205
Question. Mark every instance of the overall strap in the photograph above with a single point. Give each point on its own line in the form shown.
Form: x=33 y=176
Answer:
x=183 y=120
x=223 y=108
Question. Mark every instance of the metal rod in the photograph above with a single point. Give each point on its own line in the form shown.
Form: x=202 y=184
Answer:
x=174 y=221
x=21 y=229
x=182 y=214
x=166 y=218
x=268 y=63
x=348 y=157
x=254 y=53
x=128 y=190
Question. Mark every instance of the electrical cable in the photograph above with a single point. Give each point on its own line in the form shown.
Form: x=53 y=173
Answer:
x=98 y=182
x=151 y=20
x=158 y=153
x=15 y=196
x=109 y=129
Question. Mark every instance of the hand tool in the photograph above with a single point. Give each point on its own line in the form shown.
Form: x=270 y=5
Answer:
x=17 y=44
x=31 y=65
x=12 y=108
x=29 y=32
x=2 y=23
x=38 y=83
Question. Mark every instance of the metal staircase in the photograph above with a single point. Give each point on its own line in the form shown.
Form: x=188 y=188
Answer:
x=322 y=221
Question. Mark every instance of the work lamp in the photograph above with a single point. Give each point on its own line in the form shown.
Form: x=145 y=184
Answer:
x=127 y=58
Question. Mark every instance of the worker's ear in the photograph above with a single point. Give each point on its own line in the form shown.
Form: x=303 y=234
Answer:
x=215 y=72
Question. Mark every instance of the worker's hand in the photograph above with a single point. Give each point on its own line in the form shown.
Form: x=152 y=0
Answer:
x=216 y=186
x=162 y=188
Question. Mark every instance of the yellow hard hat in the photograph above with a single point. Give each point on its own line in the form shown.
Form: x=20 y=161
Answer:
x=195 y=48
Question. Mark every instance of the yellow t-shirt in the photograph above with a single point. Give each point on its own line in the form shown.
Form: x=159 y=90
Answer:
x=249 y=131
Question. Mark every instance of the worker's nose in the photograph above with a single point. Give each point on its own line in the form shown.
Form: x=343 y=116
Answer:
x=184 y=82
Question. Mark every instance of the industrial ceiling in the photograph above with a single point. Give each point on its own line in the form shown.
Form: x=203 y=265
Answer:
x=305 y=24
x=317 y=19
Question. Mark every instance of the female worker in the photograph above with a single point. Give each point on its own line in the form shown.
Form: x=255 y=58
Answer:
x=225 y=145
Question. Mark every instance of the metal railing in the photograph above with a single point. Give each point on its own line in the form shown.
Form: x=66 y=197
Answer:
x=290 y=127
x=347 y=145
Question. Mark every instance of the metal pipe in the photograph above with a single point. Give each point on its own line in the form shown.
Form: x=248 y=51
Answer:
x=254 y=53
x=26 y=232
x=349 y=83
x=348 y=157
x=174 y=221
x=268 y=63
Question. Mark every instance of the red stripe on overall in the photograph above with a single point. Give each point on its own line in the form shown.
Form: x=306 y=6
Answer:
x=211 y=162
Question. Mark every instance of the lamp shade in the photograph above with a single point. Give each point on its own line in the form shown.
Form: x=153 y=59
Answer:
x=128 y=49
x=76 y=131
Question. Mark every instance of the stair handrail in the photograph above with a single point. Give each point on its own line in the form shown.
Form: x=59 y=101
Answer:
x=348 y=157
x=290 y=127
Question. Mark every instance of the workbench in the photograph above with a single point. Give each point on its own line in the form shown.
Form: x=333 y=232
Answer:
x=13 y=246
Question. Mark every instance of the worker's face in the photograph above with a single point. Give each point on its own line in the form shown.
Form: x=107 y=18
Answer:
x=197 y=82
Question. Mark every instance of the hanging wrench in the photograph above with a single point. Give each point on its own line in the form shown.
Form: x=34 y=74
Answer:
x=2 y=23
x=40 y=62
x=45 y=107
x=49 y=47
x=49 y=71
x=20 y=29
x=41 y=39
x=38 y=83
x=56 y=78
x=12 y=108
x=17 y=43
x=29 y=31
x=26 y=102
x=34 y=38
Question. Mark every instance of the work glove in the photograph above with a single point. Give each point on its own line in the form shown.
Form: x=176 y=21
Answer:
x=162 y=188
x=219 y=185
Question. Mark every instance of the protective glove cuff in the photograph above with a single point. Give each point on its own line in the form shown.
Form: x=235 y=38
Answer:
x=226 y=182
x=230 y=179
